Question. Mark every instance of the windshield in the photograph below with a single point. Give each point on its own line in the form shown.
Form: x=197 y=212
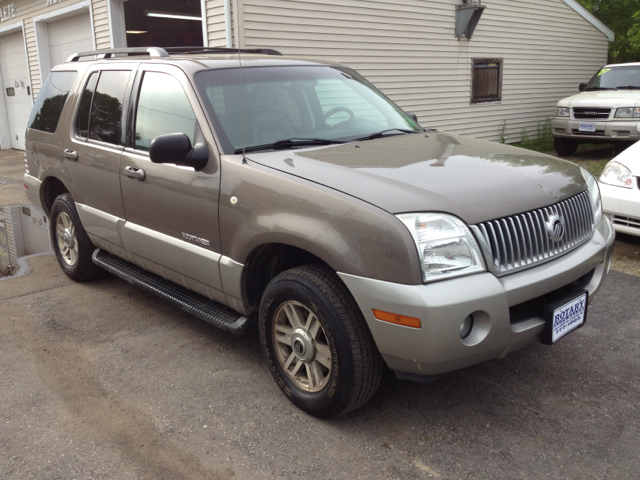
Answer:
x=610 y=78
x=297 y=103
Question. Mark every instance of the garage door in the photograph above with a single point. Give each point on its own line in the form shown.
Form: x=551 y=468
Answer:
x=15 y=80
x=69 y=35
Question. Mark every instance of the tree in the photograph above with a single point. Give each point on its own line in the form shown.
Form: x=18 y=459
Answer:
x=621 y=16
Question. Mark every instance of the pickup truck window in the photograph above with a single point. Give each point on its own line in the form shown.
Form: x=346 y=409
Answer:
x=50 y=102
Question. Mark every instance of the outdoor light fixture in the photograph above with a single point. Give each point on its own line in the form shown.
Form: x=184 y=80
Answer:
x=176 y=16
x=467 y=18
x=136 y=31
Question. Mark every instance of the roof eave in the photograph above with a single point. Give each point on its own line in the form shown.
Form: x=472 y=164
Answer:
x=580 y=10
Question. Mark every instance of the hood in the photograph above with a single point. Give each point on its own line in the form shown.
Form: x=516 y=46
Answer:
x=605 y=98
x=630 y=158
x=432 y=171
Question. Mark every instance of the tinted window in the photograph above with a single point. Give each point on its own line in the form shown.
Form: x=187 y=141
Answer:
x=106 y=110
x=278 y=103
x=82 y=121
x=50 y=102
x=163 y=107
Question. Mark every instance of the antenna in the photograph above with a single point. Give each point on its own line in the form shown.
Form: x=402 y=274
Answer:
x=244 y=159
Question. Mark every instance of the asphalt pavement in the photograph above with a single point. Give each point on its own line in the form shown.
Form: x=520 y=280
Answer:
x=103 y=381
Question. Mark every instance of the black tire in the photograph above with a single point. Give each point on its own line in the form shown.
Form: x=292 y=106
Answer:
x=565 y=146
x=355 y=364
x=77 y=265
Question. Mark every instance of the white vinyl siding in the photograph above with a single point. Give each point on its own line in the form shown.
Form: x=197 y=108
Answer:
x=101 y=23
x=216 y=23
x=407 y=48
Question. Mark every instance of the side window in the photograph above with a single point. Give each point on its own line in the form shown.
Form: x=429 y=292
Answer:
x=82 y=120
x=163 y=107
x=46 y=112
x=486 y=83
x=105 y=120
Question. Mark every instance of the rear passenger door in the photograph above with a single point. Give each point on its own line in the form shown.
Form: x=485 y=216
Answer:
x=92 y=152
x=171 y=211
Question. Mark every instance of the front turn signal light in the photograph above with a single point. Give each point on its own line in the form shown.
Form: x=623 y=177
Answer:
x=397 y=319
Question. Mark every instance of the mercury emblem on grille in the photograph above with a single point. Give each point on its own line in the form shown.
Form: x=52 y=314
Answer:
x=555 y=227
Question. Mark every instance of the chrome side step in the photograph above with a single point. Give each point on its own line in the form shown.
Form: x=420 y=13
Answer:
x=198 y=305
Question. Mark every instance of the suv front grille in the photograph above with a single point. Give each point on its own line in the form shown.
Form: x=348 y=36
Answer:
x=591 y=113
x=626 y=221
x=523 y=240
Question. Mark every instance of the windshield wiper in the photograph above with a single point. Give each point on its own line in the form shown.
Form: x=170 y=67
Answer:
x=384 y=133
x=289 y=143
x=598 y=88
x=629 y=87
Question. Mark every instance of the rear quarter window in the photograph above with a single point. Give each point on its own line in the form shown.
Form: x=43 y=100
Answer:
x=46 y=112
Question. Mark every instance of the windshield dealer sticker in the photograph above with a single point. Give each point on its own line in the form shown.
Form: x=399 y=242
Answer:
x=603 y=71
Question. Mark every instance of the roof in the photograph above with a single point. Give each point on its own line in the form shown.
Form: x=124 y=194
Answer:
x=580 y=10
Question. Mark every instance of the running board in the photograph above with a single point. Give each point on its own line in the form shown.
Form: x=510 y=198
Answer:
x=198 y=305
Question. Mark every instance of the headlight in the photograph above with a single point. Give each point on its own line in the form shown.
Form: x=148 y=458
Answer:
x=446 y=246
x=617 y=174
x=628 y=112
x=562 y=111
x=594 y=195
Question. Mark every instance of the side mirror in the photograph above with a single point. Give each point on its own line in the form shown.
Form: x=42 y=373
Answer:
x=412 y=116
x=176 y=148
x=582 y=87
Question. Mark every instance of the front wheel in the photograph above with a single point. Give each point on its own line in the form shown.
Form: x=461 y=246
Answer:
x=565 y=146
x=318 y=346
x=71 y=244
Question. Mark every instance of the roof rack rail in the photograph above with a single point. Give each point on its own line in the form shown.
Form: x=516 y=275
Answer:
x=164 y=52
x=197 y=50
x=108 y=53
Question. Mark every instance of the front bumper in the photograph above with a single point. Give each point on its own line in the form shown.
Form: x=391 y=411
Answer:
x=622 y=206
x=618 y=130
x=436 y=347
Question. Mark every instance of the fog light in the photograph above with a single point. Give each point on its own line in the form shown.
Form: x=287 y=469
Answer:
x=466 y=326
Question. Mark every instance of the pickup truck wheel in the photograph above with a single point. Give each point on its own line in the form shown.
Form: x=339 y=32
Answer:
x=70 y=241
x=318 y=346
x=565 y=146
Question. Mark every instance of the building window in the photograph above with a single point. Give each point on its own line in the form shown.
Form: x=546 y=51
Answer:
x=486 y=80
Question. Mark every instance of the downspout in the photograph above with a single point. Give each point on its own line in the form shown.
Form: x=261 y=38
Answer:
x=227 y=23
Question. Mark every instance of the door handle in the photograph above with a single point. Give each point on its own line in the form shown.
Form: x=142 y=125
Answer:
x=133 y=172
x=71 y=155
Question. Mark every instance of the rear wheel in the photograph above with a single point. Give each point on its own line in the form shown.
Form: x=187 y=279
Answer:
x=70 y=241
x=565 y=146
x=318 y=346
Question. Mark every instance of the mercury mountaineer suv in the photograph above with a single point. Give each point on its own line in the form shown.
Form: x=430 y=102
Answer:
x=286 y=194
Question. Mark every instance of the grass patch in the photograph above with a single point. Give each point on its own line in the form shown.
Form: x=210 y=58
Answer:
x=539 y=140
x=594 y=166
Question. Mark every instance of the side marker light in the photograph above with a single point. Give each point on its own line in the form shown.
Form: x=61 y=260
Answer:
x=397 y=319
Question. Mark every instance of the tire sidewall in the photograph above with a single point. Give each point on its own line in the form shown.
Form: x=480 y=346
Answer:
x=64 y=203
x=331 y=399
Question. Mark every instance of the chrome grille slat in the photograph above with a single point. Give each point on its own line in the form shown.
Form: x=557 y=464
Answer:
x=532 y=233
x=509 y=244
x=522 y=240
